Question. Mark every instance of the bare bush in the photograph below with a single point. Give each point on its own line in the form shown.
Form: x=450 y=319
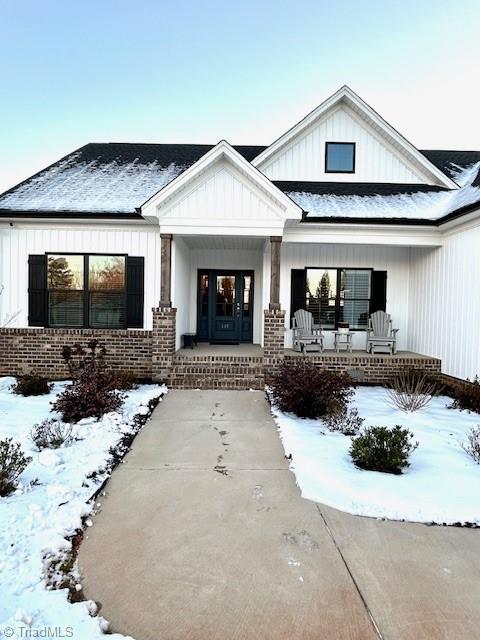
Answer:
x=13 y=462
x=51 y=434
x=412 y=389
x=347 y=422
x=472 y=446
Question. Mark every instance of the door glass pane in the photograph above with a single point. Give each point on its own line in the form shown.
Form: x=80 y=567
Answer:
x=106 y=272
x=225 y=296
x=204 y=294
x=247 y=292
x=65 y=308
x=107 y=310
x=65 y=272
x=321 y=294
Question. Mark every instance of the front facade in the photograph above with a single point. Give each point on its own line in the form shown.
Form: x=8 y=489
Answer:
x=341 y=216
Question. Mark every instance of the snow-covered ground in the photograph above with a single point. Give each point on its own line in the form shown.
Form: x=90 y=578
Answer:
x=442 y=483
x=53 y=497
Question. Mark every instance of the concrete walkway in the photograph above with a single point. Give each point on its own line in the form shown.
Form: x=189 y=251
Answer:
x=203 y=535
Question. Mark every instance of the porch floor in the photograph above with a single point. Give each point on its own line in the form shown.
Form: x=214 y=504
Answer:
x=359 y=353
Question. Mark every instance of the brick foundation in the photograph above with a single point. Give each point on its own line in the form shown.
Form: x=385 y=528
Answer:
x=374 y=369
x=273 y=340
x=163 y=343
x=40 y=350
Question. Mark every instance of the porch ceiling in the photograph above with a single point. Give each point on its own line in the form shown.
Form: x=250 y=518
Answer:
x=224 y=242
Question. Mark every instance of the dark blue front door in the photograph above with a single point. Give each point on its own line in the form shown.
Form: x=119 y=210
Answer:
x=225 y=306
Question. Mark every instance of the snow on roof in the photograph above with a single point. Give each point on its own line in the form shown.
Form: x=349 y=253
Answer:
x=429 y=205
x=91 y=186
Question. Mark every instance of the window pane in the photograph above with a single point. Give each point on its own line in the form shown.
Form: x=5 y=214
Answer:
x=355 y=312
x=65 y=309
x=355 y=283
x=204 y=294
x=107 y=310
x=321 y=293
x=247 y=288
x=225 y=295
x=65 y=272
x=106 y=272
x=340 y=157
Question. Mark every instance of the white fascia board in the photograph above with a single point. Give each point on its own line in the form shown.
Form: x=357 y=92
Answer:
x=290 y=210
x=462 y=223
x=350 y=97
x=258 y=231
x=393 y=235
x=53 y=223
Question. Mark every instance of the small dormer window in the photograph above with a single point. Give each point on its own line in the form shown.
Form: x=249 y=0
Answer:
x=340 y=157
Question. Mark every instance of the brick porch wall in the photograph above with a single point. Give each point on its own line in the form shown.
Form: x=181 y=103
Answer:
x=371 y=369
x=217 y=372
x=40 y=350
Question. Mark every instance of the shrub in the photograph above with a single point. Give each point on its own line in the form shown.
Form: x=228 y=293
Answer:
x=465 y=394
x=90 y=396
x=307 y=391
x=412 y=389
x=123 y=380
x=347 y=422
x=92 y=393
x=31 y=384
x=383 y=449
x=12 y=463
x=472 y=446
x=51 y=434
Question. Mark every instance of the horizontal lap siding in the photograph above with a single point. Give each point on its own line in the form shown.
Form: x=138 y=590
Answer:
x=445 y=303
x=16 y=244
x=394 y=260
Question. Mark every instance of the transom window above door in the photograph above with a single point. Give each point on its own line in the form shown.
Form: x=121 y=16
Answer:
x=86 y=291
x=340 y=157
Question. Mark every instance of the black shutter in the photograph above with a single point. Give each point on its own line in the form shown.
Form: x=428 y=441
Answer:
x=135 y=289
x=37 y=280
x=298 y=290
x=378 y=297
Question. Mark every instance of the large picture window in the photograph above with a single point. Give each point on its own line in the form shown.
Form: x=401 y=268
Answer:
x=339 y=295
x=86 y=291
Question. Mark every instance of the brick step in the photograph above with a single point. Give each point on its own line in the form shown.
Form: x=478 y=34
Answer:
x=214 y=372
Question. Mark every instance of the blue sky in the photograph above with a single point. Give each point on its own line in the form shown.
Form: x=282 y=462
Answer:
x=145 y=71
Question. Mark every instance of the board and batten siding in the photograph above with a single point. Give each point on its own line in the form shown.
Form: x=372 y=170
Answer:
x=394 y=260
x=445 y=303
x=375 y=159
x=17 y=243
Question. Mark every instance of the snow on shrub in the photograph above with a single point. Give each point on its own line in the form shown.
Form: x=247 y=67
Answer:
x=31 y=384
x=301 y=388
x=12 y=463
x=347 y=422
x=383 y=449
x=412 y=389
x=51 y=434
x=472 y=446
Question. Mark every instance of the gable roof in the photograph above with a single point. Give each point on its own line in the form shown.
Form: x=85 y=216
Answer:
x=346 y=96
x=223 y=151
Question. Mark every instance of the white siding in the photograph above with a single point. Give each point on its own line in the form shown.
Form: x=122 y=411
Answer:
x=17 y=243
x=181 y=298
x=376 y=160
x=445 y=303
x=394 y=260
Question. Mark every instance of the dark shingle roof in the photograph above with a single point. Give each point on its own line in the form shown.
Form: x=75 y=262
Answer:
x=113 y=179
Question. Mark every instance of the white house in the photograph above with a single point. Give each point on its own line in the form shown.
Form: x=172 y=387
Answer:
x=340 y=215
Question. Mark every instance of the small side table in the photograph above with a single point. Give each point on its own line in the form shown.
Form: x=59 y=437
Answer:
x=343 y=340
x=189 y=340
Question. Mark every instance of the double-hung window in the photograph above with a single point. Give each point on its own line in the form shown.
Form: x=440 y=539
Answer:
x=86 y=291
x=339 y=295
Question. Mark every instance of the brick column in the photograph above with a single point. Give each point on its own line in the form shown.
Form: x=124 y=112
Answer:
x=163 y=342
x=273 y=340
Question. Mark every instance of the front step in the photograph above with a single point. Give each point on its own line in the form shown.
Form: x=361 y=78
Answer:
x=217 y=372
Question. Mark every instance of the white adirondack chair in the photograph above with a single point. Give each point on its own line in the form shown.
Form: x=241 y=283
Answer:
x=305 y=334
x=381 y=338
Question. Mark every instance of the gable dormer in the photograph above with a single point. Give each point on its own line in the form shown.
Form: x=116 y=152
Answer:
x=345 y=140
